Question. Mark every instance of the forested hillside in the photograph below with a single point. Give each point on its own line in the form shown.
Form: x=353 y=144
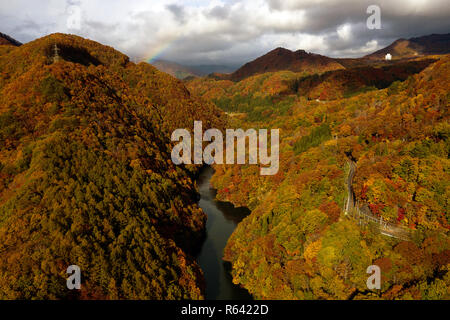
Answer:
x=86 y=177
x=297 y=243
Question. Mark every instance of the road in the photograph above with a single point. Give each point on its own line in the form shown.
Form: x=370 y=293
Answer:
x=363 y=213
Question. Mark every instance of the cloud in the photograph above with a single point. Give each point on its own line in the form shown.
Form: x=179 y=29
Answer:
x=227 y=31
x=177 y=11
x=219 y=12
x=345 y=32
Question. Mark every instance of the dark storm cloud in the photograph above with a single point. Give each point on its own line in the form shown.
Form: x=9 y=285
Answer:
x=400 y=19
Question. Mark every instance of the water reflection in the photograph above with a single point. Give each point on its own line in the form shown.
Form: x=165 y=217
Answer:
x=223 y=218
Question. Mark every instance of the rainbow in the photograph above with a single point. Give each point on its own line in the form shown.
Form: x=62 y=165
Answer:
x=157 y=50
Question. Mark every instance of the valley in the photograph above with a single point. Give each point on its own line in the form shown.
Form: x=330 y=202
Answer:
x=87 y=177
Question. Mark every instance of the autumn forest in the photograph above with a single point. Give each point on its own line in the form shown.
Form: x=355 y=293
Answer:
x=86 y=176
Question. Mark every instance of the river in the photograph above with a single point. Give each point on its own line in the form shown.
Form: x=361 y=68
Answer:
x=223 y=218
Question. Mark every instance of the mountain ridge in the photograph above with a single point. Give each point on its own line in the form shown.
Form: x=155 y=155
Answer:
x=7 y=40
x=282 y=59
x=414 y=47
x=285 y=59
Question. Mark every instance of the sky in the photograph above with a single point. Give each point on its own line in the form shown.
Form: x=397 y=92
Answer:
x=225 y=32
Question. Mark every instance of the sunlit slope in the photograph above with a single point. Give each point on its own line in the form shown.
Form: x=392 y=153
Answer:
x=281 y=59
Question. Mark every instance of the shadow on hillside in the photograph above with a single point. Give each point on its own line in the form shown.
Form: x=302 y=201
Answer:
x=72 y=54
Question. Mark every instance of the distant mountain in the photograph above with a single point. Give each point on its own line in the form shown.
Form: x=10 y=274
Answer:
x=174 y=69
x=409 y=48
x=7 y=40
x=301 y=61
x=284 y=59
x=210 y=69
x=181 y=71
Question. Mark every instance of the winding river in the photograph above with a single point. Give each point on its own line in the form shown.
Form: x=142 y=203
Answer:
x=223 y=218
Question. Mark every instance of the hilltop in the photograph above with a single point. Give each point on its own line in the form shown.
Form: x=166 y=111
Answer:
x=284 y=59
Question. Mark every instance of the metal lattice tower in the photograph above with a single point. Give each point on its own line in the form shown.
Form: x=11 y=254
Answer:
x=55 y=53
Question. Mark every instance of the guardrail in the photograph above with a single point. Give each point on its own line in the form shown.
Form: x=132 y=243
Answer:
x=385 y=227
x=363 y=214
